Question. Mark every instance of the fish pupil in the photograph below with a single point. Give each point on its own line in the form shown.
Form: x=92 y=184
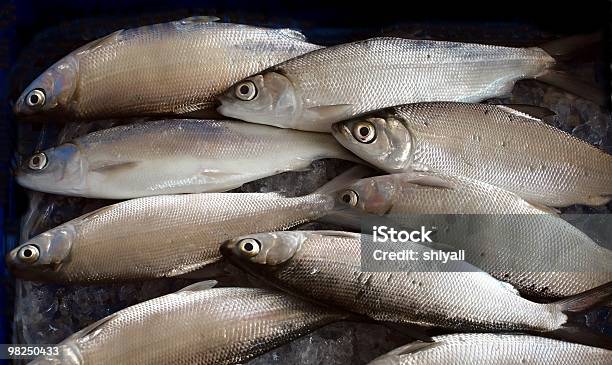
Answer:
x=346 y=198
x=27 y=252
x=33 y=99
x=36 y=160
x=248 y=246
x=244 y=89
x=364 y=131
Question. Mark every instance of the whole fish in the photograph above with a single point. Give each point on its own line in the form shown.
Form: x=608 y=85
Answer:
x=537 y=252
x=159 y=236
x=169 y=68
x=173 y=156
x=492 y=143
x=499 y=349
x=312 y=91
x=325 y=266
x=196 y=325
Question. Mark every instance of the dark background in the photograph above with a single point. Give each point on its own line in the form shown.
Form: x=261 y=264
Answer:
x=324 y=22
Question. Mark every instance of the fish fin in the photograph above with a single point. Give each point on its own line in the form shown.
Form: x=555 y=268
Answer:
x=200 y=19
x=328 y=112
x=412 y=348
x=346 y=178
x=568 y=50
x=575 y=331
x=524 y=110
x=113 y=167
x=545 y=208
x=569 y=83
x=292 y=33
x=585 y=300
x=330 y=233
x=100 y=42
x=215 y=270
x=199 y=286
x=427 y=179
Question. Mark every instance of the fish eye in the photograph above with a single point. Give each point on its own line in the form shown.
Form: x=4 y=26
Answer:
x=28 y=253
x=350 y=197
x=38 y=161
x=364 y=132
x=246 y=91
x=35 y=98
x=249 y=247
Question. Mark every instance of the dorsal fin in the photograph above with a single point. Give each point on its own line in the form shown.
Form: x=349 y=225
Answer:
x=201 y=285
x=292 y=33
x=527 y=111
x=199 y=19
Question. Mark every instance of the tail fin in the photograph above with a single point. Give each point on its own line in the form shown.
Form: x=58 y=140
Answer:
x=568 y=50
x=574 y=307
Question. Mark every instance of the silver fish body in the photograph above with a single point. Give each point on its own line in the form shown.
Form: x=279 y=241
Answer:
x=313 y=91
x=326 y=267
x=537 y=252
x=159 y=236
x=494 y=144
x=169 y=68
x=193 y=326
x=173 y=156
x=498 y=349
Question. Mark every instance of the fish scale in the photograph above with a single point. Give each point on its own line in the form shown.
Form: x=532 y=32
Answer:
x=165 y=235
x=169 y=68
x=465 y=299
x=500 y=349
x=176 y=156
x=216 y=326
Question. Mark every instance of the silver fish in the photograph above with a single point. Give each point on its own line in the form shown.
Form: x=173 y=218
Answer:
x=495 y=144
x=169 y=68
x=498 y=349
x=312 y=91
x=325 y=266
x=159 y=236
x=537 y=252
x=173 y=156
x=196 y=325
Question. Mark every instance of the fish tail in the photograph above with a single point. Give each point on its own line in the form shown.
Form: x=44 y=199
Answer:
x=574 y=330
x=568 y=51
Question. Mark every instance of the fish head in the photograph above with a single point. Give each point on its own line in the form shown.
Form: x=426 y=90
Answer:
x=268 y=98
x=52 y=91
x=382 y=140
x=60 y=170
x=263 y=249
x=371 y=196
x=42 y=256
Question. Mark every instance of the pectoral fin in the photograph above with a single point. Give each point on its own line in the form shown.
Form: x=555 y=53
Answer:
x=113 y=167
x=328 y=113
